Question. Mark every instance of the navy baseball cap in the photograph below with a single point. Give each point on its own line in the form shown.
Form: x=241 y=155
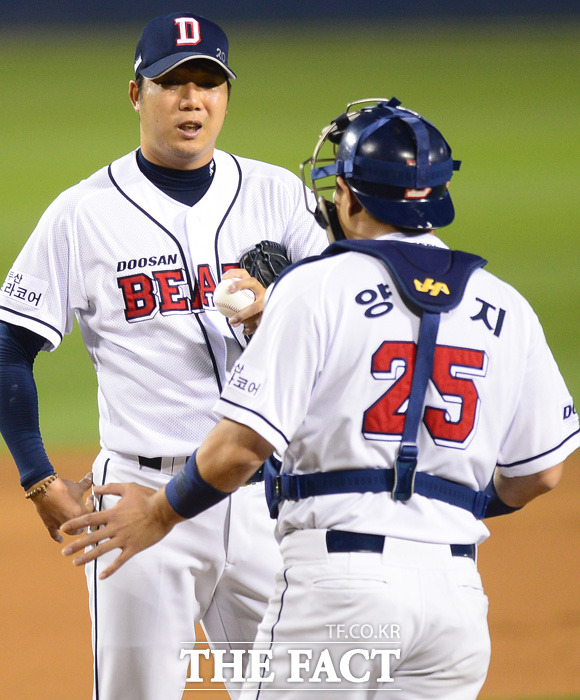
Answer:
x=168 y=41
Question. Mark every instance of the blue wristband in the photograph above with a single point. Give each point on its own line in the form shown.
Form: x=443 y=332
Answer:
x=189 y=494
x=496 y=506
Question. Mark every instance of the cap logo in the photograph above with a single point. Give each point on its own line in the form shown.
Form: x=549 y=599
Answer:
x=189 y=33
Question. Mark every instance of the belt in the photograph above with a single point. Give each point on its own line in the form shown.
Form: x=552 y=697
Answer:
x=152 y=462
x=172 y=464
x=342 y=541
x=166 y=465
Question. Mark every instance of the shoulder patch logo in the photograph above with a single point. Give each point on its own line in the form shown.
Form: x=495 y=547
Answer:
x=24 y=288
x=569 y=411
x=431 y=287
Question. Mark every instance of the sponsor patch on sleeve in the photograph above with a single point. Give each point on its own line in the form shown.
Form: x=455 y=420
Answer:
x=569 y=411
x=24 y=288
x=248 y=380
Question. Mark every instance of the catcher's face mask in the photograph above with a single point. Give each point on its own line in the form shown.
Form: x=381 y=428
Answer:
x=321 y=169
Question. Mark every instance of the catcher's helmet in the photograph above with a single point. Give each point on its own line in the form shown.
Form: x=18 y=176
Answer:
x=396 y=163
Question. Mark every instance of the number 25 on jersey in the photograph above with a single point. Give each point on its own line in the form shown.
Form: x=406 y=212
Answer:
x=451 y=418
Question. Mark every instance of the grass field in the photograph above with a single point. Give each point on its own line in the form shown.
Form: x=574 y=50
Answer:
x=506 y=98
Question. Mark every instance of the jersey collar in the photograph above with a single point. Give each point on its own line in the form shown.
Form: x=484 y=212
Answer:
x=422 y=238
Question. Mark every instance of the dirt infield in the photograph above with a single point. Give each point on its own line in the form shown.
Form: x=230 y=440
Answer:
x=530 y=567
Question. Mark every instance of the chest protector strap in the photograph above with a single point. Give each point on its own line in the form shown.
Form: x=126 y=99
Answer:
x=431 y=281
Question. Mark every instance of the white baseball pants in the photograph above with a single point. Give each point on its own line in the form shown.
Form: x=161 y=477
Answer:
x=219 y=568
x=412 y=620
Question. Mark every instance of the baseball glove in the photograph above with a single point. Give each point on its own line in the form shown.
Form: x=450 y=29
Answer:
x=266 y=262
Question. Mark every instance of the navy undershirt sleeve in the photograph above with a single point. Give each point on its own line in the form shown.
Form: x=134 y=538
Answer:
x=19 y=423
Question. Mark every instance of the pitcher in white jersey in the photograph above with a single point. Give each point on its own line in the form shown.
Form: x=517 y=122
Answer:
x=411 y=395
x=134 y=253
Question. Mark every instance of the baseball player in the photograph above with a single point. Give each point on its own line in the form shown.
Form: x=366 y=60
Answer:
x=134 y=253
x=411 y=394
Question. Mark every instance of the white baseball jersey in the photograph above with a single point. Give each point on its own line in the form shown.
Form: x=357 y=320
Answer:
x=138 y=270
x=327 y=377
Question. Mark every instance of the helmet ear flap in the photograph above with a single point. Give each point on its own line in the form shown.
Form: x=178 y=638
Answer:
x=326 y=216
x=321 y=214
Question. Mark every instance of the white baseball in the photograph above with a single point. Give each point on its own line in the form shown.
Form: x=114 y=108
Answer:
x=229 y=304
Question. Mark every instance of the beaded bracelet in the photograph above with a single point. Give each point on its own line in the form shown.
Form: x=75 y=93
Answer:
x=42 y=488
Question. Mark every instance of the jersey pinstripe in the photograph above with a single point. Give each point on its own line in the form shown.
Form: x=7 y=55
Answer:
x=496 y=395
x=138 y=269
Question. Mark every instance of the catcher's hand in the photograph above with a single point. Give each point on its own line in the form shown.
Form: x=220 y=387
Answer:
x=265 y=262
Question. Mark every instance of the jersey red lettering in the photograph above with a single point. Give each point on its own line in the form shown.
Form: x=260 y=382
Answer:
x=454 y=368
x=140 y=301
x=206 y=284
x=172 y=284
x=451 y=372
x=230 y=266
x=384 y=420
